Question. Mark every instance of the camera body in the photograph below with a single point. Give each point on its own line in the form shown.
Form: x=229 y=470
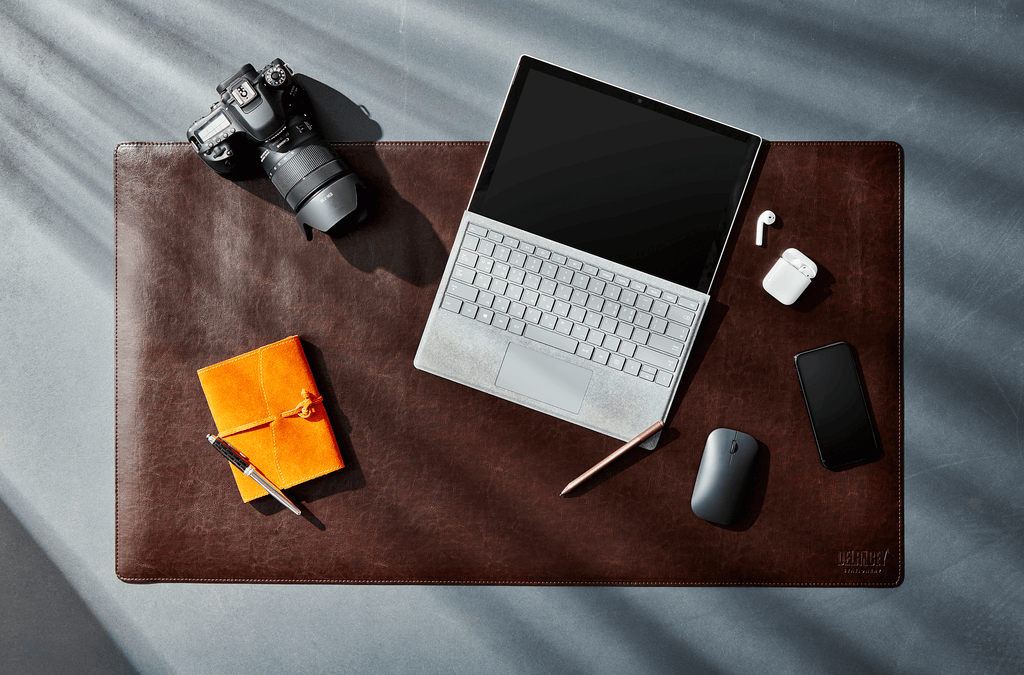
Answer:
x=267 y=113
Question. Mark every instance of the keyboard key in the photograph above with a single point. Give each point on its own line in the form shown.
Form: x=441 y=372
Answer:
x=656 y=359
x=482 y=281
x=469 y=311
x=476 y=229
x=485 y=316
x=632 y=367
x=627 y=314
x=601 y=356
x=462 y=291
x=531 y=297
x=546 y=303
x=608 y=325
x=502 y=305
x=502 y=253
x=643 y=303
x=689 y=304
x=533 y=315
x=628 y=297
x=549 y=321
x=624 y=331
x=580 y=332
x=658 y=325
x=676 y=331
x=646 y=376
x=518 y=310
x=516 y=326
x=643 y=320
x=501 y=321
x=547 y=287
x=523 y=246
x=548 y=269
x=518 y=258
x=533 y=264
x=596 y=286
x=564 y=275
x=451 y=304
x=654 y=292
x=486 y=248
x=640 y=336
x=580 y=298
x=514 y=292
x=575 y=264
x=612 y=292
x=516 y=275
x=595 y=303
x=561 y=308
x=468 y=258
x=616 y=361
x=463 y=274
x=577 y=314
x=556 y=340
x=485 y=299
x=593 y=319
x=660 y=308
x=611 y=343
x=580 y=280
x=500 y=270
x=627 y=349
x=638 y=286
x=543 y=253
x=589 y=269
x=584 y=351
x=496 y=237
x=680 y=315
x=563 y=292
x=532 y=281
x=662 y=343
x=606 y=275
x=499 y=286
x=563 y=326
x=558 y=258
x=595 y=337
x=663 y=378
x=470 y=242
x=611 y=309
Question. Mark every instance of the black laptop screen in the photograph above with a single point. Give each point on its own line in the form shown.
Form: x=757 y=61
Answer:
x=612 y=173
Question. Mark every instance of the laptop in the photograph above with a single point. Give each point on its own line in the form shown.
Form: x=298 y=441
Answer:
x=582 y=267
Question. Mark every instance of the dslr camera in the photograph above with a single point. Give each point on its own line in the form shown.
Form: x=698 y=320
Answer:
x=267 y=113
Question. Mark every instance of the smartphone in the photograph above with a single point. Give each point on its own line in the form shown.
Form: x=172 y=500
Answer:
x=840 y=418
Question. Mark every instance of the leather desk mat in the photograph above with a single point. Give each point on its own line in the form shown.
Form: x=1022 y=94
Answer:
x=444 y=484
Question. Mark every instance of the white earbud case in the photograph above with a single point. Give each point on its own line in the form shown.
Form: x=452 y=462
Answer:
x=789 y=277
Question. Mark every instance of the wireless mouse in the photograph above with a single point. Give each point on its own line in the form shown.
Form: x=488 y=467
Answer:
x=724 y=476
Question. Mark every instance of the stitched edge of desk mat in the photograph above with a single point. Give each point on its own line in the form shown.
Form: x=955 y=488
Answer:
x=599 y=446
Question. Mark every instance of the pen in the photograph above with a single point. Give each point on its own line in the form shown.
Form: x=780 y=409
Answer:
x=644 y=435
x=242 y=463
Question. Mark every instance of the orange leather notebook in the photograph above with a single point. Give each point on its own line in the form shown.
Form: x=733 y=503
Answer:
x=266 y=404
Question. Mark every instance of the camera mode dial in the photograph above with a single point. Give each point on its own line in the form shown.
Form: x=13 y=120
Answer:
x=275 y=76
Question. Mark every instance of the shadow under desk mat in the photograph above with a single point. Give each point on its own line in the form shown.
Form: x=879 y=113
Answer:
x=444 y=484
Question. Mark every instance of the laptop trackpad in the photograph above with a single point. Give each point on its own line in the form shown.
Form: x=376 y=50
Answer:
x=543 y=378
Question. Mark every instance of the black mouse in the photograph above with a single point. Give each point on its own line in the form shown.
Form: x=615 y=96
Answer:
x=724 y=476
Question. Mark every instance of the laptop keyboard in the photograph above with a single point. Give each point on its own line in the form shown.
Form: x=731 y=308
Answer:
x=546 y=297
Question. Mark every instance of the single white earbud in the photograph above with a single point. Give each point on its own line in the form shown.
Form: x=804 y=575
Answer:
x=766 y=218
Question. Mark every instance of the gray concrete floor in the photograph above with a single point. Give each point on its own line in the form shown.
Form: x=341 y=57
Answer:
x=945 y=79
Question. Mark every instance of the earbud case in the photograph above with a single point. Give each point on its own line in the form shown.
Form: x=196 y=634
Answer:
x=789 y=277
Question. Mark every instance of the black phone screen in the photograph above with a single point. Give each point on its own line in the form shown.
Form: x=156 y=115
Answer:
x=837 y=406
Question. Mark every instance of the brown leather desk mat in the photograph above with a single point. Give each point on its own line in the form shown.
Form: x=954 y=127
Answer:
x=444 y=484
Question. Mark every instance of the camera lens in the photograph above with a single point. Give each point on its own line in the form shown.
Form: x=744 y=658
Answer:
x=317 y=185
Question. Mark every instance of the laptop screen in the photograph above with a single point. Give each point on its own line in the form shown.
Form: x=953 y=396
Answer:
x=615 y=174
